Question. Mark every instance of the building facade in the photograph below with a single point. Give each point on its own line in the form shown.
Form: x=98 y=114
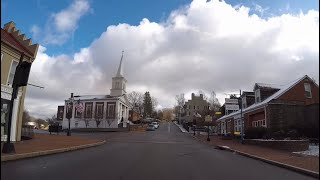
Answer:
x=196 y=105
x=14 y=46
x=293 y=105
x=100 y=111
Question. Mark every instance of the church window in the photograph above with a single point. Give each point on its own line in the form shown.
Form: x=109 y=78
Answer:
x=88 y=110
x=111 y=110
x=99 y=110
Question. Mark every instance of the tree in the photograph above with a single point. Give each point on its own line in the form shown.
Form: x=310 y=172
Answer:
x=154 y=102
x=147 y=104
x=214 y=102
x=135 y=99
x=25 y=117
x=160 y=115
x=168 y=114
x=233 y=96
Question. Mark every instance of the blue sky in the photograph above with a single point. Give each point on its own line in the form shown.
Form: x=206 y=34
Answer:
x=112 y=12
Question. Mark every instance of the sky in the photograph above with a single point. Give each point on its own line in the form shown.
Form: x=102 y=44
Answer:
x=171 y=46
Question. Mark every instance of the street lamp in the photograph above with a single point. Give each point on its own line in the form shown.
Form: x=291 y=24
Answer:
x=208 y=138
x=242 y=122
x=69 y=112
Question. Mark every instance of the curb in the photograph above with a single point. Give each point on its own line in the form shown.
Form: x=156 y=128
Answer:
x=290 y=167
x=48 y=152
x=181 y=129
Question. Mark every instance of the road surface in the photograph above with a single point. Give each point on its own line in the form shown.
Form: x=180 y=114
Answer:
x=162 y=154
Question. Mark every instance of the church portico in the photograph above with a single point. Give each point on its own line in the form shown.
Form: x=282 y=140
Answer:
x=100 y=111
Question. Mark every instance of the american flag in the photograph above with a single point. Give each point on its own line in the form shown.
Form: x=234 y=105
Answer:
x=79 y=107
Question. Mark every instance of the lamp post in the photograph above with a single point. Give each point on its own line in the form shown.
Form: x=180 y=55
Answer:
x=208 y=138
x=69 y=113
x=242 y=122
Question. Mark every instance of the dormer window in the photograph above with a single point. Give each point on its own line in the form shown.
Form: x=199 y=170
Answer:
x=257 y=95
x=307 y=90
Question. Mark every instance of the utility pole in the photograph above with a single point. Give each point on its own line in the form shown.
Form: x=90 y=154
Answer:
x=242 y=121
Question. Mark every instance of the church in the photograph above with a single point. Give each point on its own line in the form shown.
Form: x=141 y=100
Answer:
x=100 y=111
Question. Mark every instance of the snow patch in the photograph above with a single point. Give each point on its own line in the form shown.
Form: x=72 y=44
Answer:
x=312 y=151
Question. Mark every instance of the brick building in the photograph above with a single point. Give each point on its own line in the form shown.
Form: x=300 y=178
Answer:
x=294 y=105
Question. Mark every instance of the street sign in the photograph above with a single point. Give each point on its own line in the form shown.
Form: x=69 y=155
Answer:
x=236 y=133
x=218 y=113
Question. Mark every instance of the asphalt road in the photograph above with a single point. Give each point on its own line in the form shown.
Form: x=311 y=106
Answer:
x=162 y=154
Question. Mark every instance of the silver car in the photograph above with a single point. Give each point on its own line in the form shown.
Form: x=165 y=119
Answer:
x=151 y=127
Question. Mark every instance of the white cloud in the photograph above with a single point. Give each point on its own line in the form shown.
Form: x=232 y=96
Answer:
x=61 y=25
x=207 y=46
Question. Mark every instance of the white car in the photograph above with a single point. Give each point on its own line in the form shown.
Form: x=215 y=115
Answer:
x=155 y=124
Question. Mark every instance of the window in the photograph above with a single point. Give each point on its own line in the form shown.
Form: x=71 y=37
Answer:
x=1 y=56
x=307 y=89
x=14 y=65
x=77 y=114
x=194 y=107
x=257 y=95
x=117 y=85
x=88 y=110
x=198 y=107
x=111 y=110
x=99 y=110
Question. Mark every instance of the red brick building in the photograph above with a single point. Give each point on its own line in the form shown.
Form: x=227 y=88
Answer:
x=277 y=107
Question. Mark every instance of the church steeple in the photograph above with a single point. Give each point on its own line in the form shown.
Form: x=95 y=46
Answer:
x=119 y=82
x=120 y=69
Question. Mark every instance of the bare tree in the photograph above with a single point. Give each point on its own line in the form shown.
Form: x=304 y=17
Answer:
x=214 y=102
x=135 y=98
x=167 y=114
x=154 y=103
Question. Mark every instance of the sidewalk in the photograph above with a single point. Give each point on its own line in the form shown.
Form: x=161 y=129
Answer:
x=181 y=128
x=44 y=144
x=310 y=163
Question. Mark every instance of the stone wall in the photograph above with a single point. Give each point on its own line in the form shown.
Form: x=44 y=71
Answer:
x=287 y=145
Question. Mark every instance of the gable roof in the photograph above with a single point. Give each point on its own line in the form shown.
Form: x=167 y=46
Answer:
x=265 y=85
x=13 y=42
x=255 y=106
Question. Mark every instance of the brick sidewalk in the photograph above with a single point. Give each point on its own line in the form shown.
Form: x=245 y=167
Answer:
x=302 y=161
x=43 y=142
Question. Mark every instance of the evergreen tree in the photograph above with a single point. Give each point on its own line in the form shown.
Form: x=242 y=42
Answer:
x=147 y=105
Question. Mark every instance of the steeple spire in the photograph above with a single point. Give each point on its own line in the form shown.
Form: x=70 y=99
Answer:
x=120 y=69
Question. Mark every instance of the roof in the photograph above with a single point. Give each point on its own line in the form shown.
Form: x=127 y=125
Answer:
x=264 y=85
x=92 y=97
x=10 y=40
x=120 y=69
x=255 y=106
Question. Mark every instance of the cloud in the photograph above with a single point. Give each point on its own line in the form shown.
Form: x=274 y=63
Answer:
x=203 y=46
x=61 y=25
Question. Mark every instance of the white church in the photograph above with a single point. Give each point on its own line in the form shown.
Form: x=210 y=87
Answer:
x=101 y=111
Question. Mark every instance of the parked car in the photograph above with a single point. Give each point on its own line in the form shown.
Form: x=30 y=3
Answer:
x=151 y=127
x=155 y=124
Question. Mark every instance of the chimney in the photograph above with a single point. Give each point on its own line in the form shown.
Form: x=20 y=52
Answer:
x=201 y=96
x=192 y=95
x=9 y=27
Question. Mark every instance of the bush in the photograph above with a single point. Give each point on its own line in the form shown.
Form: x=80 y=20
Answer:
x=279 y=134
x=255 y=133
x=293 y=134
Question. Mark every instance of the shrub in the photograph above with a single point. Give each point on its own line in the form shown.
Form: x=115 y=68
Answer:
x=279 y=134
x=293 y=134
x=256 y=133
